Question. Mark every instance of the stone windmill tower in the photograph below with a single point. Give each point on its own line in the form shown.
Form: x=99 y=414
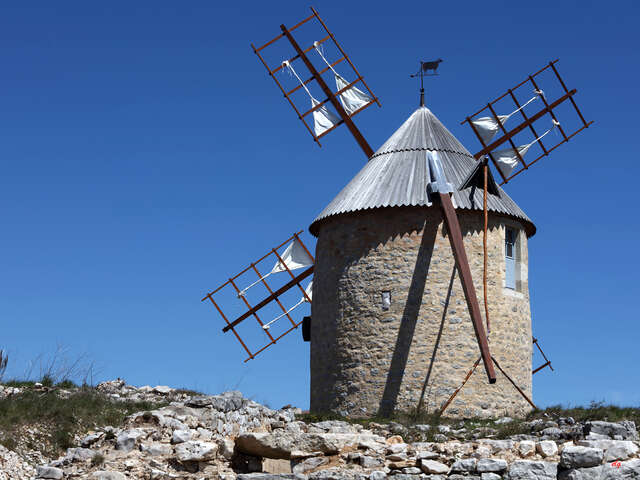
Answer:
x=390 y=324
x=395 y=318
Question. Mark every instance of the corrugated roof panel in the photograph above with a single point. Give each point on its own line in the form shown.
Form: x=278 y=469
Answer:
x=422 y=131
x=397 y=174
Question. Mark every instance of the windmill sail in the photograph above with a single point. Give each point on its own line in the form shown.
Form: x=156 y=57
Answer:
x=323 y=118
x=507 y=159
x=351 y=99
x=293 y=258
x=487 y=127
x=307 y=291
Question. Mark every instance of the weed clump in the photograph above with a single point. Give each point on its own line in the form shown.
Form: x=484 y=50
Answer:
x=61 y=418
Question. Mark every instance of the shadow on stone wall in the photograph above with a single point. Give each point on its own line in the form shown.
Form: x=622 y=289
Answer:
x=437 y=344
x=408 y=322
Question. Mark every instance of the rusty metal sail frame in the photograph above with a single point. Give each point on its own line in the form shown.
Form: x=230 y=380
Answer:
x=252 y=310
x=331 y=97
x=547 y=363
x=507 y=136
x=448 y=211
x=468 y=376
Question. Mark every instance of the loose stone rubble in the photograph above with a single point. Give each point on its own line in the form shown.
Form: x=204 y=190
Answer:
x=229 y=437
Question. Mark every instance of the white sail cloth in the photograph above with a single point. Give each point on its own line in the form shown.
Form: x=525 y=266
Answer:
x=308 y=291
x=507 y=159
x=295 y=256
x=353 y=98
x=323 y=118
x=487 y=127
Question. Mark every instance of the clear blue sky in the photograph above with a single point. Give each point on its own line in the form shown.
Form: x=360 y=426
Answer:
x=146 y=156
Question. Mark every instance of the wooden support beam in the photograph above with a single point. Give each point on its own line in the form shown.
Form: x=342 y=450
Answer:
x=462 y=263
x=271 y=297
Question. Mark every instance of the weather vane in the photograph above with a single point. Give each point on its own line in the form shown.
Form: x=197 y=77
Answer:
x=425 y=67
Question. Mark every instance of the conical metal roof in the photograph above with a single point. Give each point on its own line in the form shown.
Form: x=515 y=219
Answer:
x=397 y=174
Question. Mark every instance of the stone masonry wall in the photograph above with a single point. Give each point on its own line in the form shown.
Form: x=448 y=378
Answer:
x=368 y=358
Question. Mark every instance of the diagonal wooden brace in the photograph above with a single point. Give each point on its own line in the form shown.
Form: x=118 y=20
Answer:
x=462 y=263
x=441 y=188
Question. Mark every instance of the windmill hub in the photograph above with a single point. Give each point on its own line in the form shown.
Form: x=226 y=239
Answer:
x=389 y=318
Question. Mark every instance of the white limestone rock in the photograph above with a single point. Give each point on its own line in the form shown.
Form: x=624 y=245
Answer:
x=490 y=476
x=156 y=449
x=226 y=447
x=491 y=465
x=576 y=456
x=309 y=464
x=498 y=446
x=547 y=448
x=613 y=449
x=195 y=451
x=526 y=448
x=181 y=436
x=464 y=465
x=431 y=466
x=162 y=389
x=592 y=473
x=625 y=430
x=45 y=471
x=281 y=443
x=107 y=475
x=127 y=439
x=532 y=470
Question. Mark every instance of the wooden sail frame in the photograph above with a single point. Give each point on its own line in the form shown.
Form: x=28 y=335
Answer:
x=507 y=136
x=274 y=295
x=316 y=75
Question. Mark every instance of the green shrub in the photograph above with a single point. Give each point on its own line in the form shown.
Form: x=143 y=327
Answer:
x=68 y=384
x=47 y=381
x=63 y=417
x=97 y=460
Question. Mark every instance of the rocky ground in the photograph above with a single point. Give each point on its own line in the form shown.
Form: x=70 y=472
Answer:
x=229 y=437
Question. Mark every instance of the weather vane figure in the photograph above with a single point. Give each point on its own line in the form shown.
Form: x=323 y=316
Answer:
x=425 y=67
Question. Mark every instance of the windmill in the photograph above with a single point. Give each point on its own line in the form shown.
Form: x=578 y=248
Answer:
x=492 y=133
x=391 y=264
